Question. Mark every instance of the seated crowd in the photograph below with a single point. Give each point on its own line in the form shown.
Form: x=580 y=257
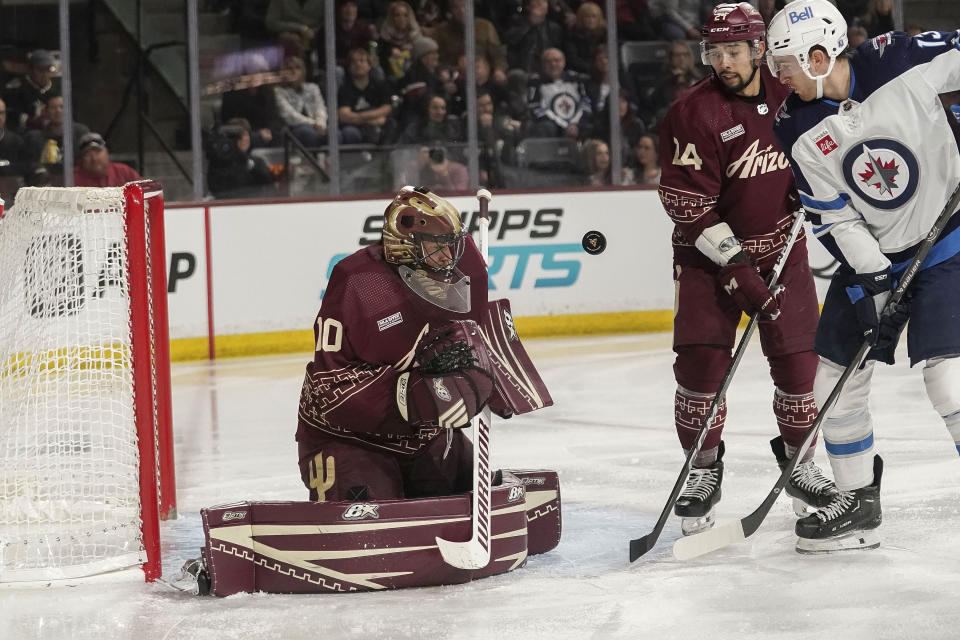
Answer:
x=542 y=71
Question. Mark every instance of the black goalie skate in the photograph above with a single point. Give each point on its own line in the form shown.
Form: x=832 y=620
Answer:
x=809 y=488
x=699 y=496
x=848 y=522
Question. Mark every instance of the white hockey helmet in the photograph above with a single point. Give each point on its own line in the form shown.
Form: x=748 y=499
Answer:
x=802 y=25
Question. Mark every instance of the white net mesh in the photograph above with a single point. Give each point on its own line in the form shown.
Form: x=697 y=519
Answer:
x=69 y=486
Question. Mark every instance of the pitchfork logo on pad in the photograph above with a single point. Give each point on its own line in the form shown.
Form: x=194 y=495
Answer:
x=884 y=173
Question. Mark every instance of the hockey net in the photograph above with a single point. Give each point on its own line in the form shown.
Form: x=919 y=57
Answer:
x=86 y=464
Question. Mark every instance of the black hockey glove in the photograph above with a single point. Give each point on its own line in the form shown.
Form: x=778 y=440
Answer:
x=869 y=292
x=741 y=280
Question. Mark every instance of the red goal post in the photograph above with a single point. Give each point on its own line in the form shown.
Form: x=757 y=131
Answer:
x=86 y=455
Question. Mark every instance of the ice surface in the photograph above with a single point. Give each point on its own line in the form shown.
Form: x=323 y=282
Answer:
x=611 y=437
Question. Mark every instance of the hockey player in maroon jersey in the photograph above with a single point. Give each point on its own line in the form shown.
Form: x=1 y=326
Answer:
x=730 y=193
x=399 y=364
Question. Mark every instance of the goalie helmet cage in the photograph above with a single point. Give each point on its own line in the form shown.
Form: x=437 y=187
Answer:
x=86 y=454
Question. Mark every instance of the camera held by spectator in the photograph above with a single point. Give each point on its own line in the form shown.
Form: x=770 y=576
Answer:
x=233 y=172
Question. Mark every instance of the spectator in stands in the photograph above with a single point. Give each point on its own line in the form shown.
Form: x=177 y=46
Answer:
x=441 y=173
x=634 y=21
x=681 y=19
x=497 y=134
x=352 y=32
x=397 y=34
x=589 y=31
x=450 y=39
x=296 y=24
x=558 y=100
x=257 y=104
x=529 y=39
x=596 y=162
x=877 y=17
x=44 y=145
x=300 y=104
x=769 y=8
x=12 y=152
x=25 y=95
x=643 y=166
x=679 y=75
x=365 y=103
x=429 y=14
x=94 y=168
x=598 y=86
x=233 y=172
x=433 y=126
x=631 y=125
x=500 y=95
x=424 y=78
x=914 y=29
x=856 y=35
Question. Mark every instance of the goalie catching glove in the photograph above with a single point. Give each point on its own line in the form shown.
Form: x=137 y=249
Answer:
x=453 y=380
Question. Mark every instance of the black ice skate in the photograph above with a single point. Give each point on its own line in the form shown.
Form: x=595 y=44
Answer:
x=809 y=488
x=849 y=522
x=699 y=496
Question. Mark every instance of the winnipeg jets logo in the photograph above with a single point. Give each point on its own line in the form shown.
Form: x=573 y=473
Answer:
x=880 y=174
x=884 y=173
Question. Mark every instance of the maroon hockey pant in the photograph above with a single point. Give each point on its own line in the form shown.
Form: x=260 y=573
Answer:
x=704 y=333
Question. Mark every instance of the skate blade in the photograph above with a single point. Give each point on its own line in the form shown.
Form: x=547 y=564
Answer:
x=690 y=526
x=852 y=541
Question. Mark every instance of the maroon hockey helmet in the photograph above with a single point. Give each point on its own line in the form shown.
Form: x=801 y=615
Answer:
x=732 y=23
x=418 y=227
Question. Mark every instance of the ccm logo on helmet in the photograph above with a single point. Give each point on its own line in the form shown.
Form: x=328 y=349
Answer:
x=796 y=17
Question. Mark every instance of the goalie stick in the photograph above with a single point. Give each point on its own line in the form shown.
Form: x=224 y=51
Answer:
x=732 y=532
x=639 y=546
x=475 y=552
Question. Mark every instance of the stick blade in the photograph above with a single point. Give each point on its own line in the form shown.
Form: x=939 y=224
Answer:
x=722 y=535
x=640 y=546
x=464 y=555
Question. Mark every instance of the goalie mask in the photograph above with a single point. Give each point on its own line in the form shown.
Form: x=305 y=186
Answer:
x=423 y=236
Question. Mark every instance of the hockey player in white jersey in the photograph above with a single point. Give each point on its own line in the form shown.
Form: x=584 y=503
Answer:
x=875 y=161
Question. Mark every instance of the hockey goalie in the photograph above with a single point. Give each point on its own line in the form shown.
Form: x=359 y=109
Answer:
x=410 y=355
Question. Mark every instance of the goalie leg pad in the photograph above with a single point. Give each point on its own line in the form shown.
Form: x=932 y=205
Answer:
x=311 y=547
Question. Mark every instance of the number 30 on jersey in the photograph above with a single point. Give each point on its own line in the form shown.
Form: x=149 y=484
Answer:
x=689 y=157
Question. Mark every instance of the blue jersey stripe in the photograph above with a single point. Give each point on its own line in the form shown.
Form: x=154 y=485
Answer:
x=823 y=205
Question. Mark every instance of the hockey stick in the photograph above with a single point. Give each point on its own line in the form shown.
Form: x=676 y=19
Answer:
x=475 y=552
x=731 y=532
x=640 y=546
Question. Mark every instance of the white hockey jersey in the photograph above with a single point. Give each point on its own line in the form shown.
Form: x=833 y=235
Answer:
x=886 y=156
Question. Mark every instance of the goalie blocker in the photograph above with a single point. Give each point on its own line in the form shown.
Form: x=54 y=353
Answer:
x=311 y=547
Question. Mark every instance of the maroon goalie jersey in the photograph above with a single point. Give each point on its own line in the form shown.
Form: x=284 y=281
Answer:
x=721 y=162
x=365 y=333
